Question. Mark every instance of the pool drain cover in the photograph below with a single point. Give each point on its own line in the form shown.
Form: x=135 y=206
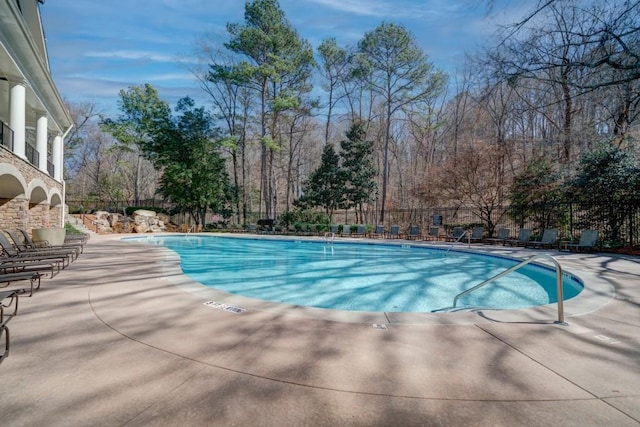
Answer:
x=225 y=307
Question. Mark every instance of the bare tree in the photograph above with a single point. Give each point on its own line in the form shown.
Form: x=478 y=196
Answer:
x=84 y=117
x=568 y=50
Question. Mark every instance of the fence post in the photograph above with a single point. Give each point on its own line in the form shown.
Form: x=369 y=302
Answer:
x=631 y=227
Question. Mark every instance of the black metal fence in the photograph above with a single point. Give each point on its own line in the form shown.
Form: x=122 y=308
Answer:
x=618 y=225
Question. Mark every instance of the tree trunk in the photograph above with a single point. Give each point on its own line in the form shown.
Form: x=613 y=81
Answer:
x=263 y=155
x=385 y=166
x=136 y=184
x=566 y=137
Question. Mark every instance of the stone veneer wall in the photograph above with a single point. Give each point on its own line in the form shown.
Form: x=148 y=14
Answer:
x=18 y=212
x=13 y=213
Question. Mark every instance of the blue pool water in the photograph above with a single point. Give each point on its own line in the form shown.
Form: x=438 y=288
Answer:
x=360 y=277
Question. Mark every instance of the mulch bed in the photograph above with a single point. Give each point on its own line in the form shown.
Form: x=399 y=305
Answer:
x=629 y=250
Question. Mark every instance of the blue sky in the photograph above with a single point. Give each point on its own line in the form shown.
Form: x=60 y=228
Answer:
x=98 y=48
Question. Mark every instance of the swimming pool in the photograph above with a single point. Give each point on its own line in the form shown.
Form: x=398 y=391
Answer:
x=360 y=277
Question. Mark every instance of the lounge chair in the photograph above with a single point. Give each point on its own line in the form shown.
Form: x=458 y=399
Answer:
x=588 y=239
x=8 y=266
x=433 y=234
x=456 y=235
x=33 y=278
x=334 y=229
x=503 y=236
x=4 y=332
x=11 y=298
x=7 y=300
x=378 y=231
x=477 y=234
x=524 y=236
x=12 y=254
x=346 y=230
x=414 y=233
x=361 y=230
x=29 y=246
x=69 y=244
x=548 y=240
x=394 y=233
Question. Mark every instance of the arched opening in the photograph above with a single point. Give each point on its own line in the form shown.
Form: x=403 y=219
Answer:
x=13 y=202
x=38 y=205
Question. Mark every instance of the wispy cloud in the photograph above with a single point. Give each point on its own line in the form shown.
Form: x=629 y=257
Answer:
x=391 y=9
x=171 y=77
x=95 y=52
x=132 y=55
x=367 y=8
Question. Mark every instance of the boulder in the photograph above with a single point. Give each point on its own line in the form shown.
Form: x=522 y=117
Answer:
x=113 y=219
x=147 y=221
x=144 y=213
x=102 y=222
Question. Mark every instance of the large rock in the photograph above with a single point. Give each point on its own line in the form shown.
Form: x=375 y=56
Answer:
x=102 y=222
x=145 y=221
x=113 y=219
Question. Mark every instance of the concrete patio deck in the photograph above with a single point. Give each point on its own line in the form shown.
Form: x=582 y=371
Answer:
x=121 y=337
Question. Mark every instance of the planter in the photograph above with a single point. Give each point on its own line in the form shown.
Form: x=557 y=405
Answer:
x=54 y=236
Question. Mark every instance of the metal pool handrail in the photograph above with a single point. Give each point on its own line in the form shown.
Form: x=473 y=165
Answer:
x=466 y=233
x=560 y=290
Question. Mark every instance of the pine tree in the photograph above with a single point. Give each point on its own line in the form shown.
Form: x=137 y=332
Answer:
x=358 y=169
x=325 y=186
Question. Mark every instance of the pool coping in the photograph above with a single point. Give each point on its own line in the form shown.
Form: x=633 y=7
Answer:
x=596 y=294
x=111 y=341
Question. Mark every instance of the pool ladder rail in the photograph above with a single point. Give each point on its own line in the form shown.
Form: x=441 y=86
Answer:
x=560 y=289
x=462 y=236
x=329 y=237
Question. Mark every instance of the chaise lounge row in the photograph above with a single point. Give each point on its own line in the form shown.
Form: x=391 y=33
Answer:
x=23 y=264
x=549 y=239
x=588 y=238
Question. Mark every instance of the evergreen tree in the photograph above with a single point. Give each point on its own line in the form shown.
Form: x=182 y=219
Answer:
x=277 y=66
x=607 y=184
x=358 y=169
x=325 y=186
x=535 y=193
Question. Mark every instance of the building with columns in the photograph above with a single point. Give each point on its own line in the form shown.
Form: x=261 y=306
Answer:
x=34 y=122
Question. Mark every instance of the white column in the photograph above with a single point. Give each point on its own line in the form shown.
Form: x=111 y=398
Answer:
x=17 y=114
x=41 y=140
x=56 y=153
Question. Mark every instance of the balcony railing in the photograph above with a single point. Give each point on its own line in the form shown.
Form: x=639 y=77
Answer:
x=7 y=136
x=50 y=168
x=32 y=154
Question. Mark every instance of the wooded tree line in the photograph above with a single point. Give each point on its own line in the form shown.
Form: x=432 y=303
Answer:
x=553 y=89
